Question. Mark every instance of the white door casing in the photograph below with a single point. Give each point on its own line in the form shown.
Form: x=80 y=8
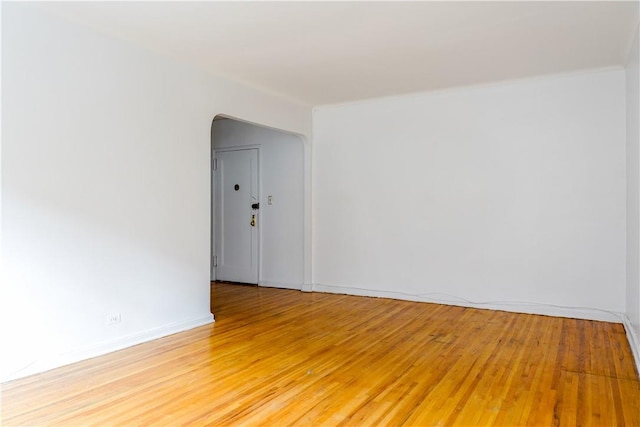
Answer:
x=236 y=245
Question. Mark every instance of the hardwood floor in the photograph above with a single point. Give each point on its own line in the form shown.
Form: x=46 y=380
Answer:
x=280 y=357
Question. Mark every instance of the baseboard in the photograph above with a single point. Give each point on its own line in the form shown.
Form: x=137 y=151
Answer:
x=307 y=287
x=89 y=352
x=515 y=307
x=634 y=342
x=282 y=285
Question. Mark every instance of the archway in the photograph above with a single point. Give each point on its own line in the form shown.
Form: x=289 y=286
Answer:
x=283 y=189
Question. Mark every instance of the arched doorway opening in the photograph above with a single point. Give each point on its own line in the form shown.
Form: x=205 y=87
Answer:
x=259 y=226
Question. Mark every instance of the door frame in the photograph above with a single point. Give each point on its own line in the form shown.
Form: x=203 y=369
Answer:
x=214 y=196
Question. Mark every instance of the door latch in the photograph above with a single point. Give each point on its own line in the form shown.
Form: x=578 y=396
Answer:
x=255 y=206
x=253 y=220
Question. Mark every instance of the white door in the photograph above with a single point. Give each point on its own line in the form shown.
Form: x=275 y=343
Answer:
x=237 y=216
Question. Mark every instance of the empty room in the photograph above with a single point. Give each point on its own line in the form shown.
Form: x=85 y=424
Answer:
x=320 y=213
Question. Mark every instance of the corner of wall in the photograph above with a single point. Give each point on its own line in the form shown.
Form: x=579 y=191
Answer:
x=634 y=342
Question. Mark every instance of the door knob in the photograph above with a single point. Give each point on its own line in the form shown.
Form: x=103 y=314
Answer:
x=255 y=206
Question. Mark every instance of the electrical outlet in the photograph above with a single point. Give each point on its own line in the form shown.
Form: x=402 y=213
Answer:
x=113 y=318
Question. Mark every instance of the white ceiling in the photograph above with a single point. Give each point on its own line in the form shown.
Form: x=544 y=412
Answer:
x=332 y=52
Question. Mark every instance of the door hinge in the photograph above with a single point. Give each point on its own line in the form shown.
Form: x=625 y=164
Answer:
x=215 y=261
x=214 y=164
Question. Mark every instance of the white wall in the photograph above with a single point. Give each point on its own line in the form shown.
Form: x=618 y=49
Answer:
x=105 y=189
x=633 y=197
x=282 y=177
x=513 y=193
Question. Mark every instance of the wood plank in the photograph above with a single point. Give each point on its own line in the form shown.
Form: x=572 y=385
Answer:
x=282 y=357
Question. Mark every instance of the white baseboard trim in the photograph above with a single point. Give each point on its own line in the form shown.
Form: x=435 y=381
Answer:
x=634 y=341
x=515 y=307
x=282 y=285
x=95 y=350
x=307 y=287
